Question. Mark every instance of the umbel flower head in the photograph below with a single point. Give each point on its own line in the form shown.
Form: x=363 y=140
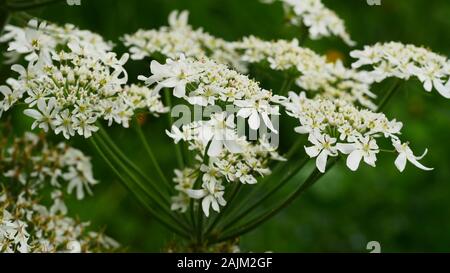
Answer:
x=320 y=21
x=37 y=41
x=180 y=38
x=337 y=127
x=204 y=82
x=30 y=166
x=224 y=156
x=395 y=59
x=69 y=84
x=312 y=72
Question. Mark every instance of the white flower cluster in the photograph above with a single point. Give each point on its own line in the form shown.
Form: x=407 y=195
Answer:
x=321 y=21
x=206 y=83
x=337 y=127
x=243 y=164
x=395 y=59
x=179 y=38
x=331 y=80
x=70 y=83
x=38 y=41
x=28 y=167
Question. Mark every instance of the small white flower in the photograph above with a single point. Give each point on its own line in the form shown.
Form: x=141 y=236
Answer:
x=211 y=195
x=64 y=124
x=84 y=125
x=174 y=74
x=45 y=115
x=406 y=154
x=254 y=110
x=323 y=147
x=220 y=132
x=363 y=148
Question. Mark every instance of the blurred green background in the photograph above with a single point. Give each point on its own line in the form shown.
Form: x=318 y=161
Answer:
x=408 y=212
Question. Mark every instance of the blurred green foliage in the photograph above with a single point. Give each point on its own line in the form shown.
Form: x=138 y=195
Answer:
x=405 y=212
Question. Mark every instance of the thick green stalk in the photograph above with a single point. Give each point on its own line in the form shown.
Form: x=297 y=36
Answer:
x=287 y=84
x=162 y=220
x=199 y=224
x=163 y=203
x=268 y=194
x=312 y=179
x=124 y=159
x=304 y=35
x=281 y=166
x=160 y=200
x=229 y=202
x=152 y=157
x=389 y=94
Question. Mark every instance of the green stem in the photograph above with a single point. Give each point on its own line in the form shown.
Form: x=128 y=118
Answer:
x=268 y=194
x=389 y=94
x=161 y=202
x=314 y=177
x=219 y=216
x=151 y=155
x=278 y=168
x=165 y=222
x=197 y=224
x=107 y=139
x=200 y=224
x=304 y=32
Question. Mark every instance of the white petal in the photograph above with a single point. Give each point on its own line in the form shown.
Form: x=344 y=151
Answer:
x=254 y=121
x=302 y=130
x=354 y=159
x=206 y=203
x=180 y=90
x=196 y=194
x=419 y=165
x=233 y=146
x=428 y=85
x=268 y=122
x=321 y=161
x=443 y=90
x=5 y=90
x=400 y=162
x=157 y=68
x=41 y=105
x=215 y=205
x=312 y=151
x=423 y=155
x=345 y=148
x=33 y=113
x=215 y=148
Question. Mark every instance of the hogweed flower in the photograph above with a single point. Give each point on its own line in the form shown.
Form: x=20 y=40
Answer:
x=33 y=166
x=79 y=84
x=180 y=38
x=395 y=59
x=312 y=72
x=320 y=21
x=230 y=157
x=338 y=127
x=211 y=83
